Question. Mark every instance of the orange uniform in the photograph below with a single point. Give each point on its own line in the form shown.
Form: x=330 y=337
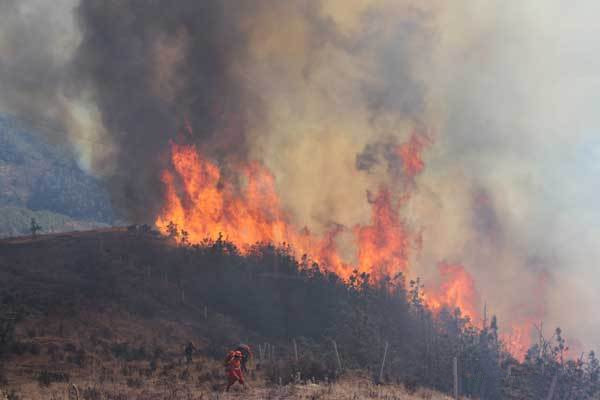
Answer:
x=235 y=363
x=233 y=368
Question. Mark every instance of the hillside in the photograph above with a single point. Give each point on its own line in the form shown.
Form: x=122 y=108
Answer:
x=41 y=180
x=111 y=310
x=99 y=325
x=16 y=221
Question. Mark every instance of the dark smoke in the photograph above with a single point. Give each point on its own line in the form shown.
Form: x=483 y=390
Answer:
x=321 y=92
x=381 y=153
x=155 y=68
x=162 y=71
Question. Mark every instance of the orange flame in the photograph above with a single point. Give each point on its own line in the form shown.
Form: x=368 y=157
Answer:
x=383 y=246
x=199 y=200
x=206 y=204
x=411 y=155
x=517 y=339
x=457 y=290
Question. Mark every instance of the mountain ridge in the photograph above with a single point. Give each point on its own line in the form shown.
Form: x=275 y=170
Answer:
x=44 y=181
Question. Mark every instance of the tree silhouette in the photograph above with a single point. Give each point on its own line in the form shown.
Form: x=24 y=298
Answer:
x=172 y=230
x=34 y=227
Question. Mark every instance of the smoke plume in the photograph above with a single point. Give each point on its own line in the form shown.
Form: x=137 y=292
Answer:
x=324 y=94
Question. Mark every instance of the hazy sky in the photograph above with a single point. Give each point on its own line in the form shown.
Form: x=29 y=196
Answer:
x=524 y=123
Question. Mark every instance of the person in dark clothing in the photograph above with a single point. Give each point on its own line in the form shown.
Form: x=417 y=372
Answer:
x=246 y=355
x=189 y=350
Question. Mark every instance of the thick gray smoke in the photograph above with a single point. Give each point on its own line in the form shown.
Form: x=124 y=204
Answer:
x=125 y=78
x=156 y=68
x=319 y=92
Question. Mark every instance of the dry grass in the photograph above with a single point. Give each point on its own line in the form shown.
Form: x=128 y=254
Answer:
x=103 y=377
x=349 y=390
x=205 y=381
x=81 y=349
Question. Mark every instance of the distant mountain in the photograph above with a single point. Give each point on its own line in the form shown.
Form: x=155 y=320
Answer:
x=43 y=180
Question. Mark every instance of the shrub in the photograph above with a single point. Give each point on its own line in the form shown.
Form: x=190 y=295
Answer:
x=8 y=319
x=123 y=351
x=411 y=385
x=204 y=377
x=19 y=348
x=184 y=375
x=12 y=395
x=52 y=349
x=305 y=368
x=45 y=378
x=134 y=382
x=3 y=380
x=153 y=365
x=34 y=349
x=78 y=358
x=91 y=393
x=120 y=350
x=69 y=347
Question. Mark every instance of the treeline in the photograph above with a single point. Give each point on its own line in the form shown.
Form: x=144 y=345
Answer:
x=266 y=295
x=271 y=293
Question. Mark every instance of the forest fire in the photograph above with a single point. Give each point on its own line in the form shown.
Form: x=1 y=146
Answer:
x=205 y=204
x=518 y=340
x=457 y=289
x=383 y=246
x=386 y=189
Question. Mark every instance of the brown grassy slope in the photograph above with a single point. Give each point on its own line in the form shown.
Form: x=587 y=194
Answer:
x=81 y=349
x=339 y=391
x=77 y=332
x=183 y=382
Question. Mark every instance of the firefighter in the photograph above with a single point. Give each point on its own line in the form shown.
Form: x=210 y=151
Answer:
x=246 y=355
x=233 y=363
x=189 y=350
